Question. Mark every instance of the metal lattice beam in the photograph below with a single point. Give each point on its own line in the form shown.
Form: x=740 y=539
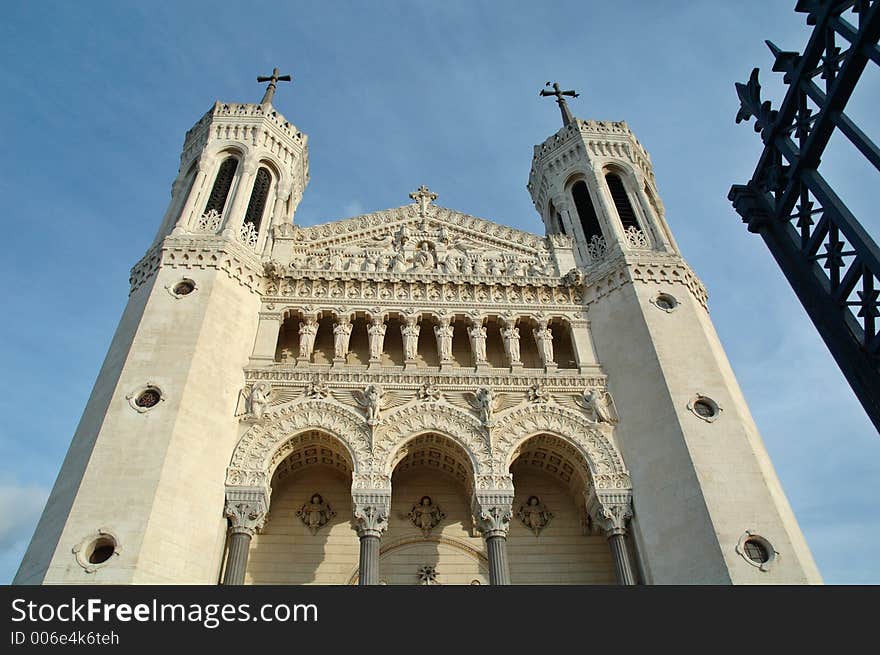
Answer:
x=831 y=262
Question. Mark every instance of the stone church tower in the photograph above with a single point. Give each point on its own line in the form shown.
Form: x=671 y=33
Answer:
x=417 y=395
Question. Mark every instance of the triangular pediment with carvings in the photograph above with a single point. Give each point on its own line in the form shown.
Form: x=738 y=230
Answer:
x=420 y=238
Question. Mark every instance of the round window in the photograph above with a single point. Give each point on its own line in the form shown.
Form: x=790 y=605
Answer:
x=665 y=302
x=705 y=408
x=184 y=288
x=101 y=549
x=148 y=398
x=96 y=550
x=756 y=551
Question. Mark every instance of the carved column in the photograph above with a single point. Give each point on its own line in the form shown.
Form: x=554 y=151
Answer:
x=410 y=334
x=477 y=337
x=246 y=512
x=493 y=512
x=610 y=512
x=371 y=510
x=282 y=193
x=443 y=331
x=544 y=340
x=613 y=228
x=376 y=338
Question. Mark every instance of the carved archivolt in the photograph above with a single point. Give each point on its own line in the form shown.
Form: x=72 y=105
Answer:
x=603 y=460
x=443 y=419
x=264 y=445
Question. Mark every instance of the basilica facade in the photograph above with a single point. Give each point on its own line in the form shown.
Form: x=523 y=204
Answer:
x=416 y=395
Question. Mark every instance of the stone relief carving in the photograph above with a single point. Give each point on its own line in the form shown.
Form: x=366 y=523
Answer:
x=425 y=515
x=258 y=400
x=599 y=406
x=477 y=335
x=427 y=575
x=544 y=339
x=376 y=334
x=371 y=400
x=317 y=389
x=308 y=330
x=443 y=332
x=316 y=513
x=410 y=333
x=534 y=515
x=538 y=394
x=341 y=336
x=429 y=392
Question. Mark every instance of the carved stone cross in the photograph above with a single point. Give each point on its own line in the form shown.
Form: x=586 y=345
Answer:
x=424 y=196
x=273 y=81
x=567 y=118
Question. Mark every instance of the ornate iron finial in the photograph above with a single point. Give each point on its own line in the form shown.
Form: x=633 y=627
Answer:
x=423 y=196
x=567 y=118
x=273 y=81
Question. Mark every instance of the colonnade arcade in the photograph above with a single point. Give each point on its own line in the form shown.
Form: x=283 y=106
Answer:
x=436 y=498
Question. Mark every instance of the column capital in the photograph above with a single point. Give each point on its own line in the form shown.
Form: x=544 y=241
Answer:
x=493 y=512
x=246 y=511
x=371 y=508
x=610 y=510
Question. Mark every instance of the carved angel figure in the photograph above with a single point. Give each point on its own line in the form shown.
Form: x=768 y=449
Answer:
x=544 y=338
x=370 y=399
x=534 y=515
x=376 y=333
x=308 y=330
x=426 y=515
x=444 y=340
x=483 y=401
x=341 y=334
x=511 y=343
x=410 y=333
x=315 y=513
x=258 y=399
x=478 y=343
x=600 y=406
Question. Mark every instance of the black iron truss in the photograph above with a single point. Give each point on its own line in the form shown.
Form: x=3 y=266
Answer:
x=829 y=259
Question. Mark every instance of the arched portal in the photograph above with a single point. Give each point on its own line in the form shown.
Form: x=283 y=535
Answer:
x=549 y=540
x=308 y=536
x=430 y=537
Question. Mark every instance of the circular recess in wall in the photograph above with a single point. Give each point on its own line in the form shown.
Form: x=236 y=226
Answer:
x=704 y=408
x=145 y=398
x=756 y=550
x=97 y=550
x=665 y=301
x=181 y=288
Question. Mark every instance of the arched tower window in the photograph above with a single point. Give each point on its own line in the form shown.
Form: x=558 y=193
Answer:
x=259 y=195
x=621 y=202
x=586 y=211
x=222 y=184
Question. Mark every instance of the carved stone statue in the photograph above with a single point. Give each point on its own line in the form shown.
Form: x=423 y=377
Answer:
x=376 y=333
x=308 y=330
x=511 y=343
x=444 y=339
x=410 y=333
x=534 y=515
x=478 y=343
x=398 y=263
x=600 y=406
x=544 y=339
x=426 y=515
x=484 y=402
x=315 y=513
x=341 y=335
x=258 y=399
x=423 y=259
x=371 y=399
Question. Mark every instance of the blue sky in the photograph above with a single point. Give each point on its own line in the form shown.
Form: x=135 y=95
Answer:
x=393 y=95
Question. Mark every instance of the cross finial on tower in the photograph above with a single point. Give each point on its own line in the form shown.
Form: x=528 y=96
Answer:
x=273 y=81
x=423 y=196
x=567 y=118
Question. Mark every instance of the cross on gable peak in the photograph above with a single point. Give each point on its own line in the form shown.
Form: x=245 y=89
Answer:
x=423 y=197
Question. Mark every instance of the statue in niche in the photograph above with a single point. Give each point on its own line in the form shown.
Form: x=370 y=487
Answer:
x=600 y=406
x=544 y=339
x=376 y=333
x=315 y=513
x=410 y=333
x=258 y=399
x=341 y=335
x=308 y=330
x=426 y=515
x=371 y=399
x=444 y=333
x=511 y=343
x=478 y=343
x=534 y=515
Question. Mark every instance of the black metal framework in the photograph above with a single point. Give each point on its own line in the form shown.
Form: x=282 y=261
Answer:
x=621 y=201
x=831 y=262
x=259 y=195
x=222 y=184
